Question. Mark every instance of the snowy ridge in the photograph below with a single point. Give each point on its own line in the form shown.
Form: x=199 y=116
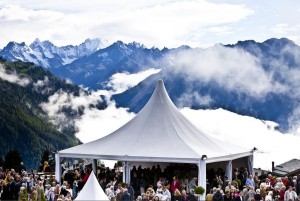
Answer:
x=46 y=54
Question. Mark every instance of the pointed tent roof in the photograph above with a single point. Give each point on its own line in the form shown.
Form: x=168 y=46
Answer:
x=158 y=133
x=92 y=190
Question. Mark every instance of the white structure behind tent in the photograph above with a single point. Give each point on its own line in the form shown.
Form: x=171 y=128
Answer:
x=92 y=190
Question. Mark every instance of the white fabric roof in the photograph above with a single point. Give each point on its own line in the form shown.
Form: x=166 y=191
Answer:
x=158 y=133
x=92 y=190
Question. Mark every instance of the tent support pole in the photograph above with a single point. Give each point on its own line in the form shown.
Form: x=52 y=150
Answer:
x=94 y=166
x=128 y=173
x=202 y=177
x=125 y=167
x=57 y=168
x=250 y=164
x=229 y=170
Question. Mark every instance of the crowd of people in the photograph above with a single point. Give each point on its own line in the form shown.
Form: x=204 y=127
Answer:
x=175 y=182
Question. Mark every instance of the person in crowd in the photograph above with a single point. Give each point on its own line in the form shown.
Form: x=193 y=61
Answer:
x=229 y=187
x=218 y=195
x=218 y=182
x=276 y=193
x=263 y=190
x=184 y=196
x=23 y=195
x=257 y=196
x=34 y=194
x=250 y=193
x=192 y=183
x=250 y=181
x=298 y=185
x=279 y=183
x=177 y=195
x=227 y=196
x=166 y=191
x=130 y=191
x=239 y=196
x=290 y=195
x=125 y=195
x=271 y=179
x=209 y=196
x=290 y=182
x=256 y=180
x=269 y=197
x=281 y=193
x=191 y=196
x=50 y=194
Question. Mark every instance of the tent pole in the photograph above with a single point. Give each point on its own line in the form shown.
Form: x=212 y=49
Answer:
x=94 y=166
x=128 y=173
x=124 y=171
x=250 y=164
x=229 y=170
x=202 y=177
x=57 y=168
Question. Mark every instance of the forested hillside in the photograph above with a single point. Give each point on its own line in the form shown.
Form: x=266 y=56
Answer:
x=24 y=126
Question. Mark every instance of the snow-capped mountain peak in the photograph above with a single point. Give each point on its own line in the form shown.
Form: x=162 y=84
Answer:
x=46 y=54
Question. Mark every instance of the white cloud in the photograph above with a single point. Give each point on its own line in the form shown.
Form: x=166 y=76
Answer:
x=13 y=77
x=121 y=82
x=221 y=30
x=189 y=99
x=95 y=123
x=154 y=23
x=92 y=123
x=42 y=86
x=247 y=132
x=233 y=69
x=61 y=100
x=294 y=121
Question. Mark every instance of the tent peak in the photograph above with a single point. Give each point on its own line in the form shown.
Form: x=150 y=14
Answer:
x=160 y=84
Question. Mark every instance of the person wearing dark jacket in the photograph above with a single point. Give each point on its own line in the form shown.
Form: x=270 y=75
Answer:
x=218 y=195
x=290 y=182
x=125 y=195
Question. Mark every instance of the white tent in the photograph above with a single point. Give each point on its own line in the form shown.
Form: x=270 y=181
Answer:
x=159 y=133
x=92 y=190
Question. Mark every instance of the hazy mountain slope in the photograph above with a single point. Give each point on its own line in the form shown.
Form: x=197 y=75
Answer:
x=23 y=124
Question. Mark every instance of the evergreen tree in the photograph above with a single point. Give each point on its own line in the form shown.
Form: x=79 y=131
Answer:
x=45 y=157
x=2 y=161
x=13 y=160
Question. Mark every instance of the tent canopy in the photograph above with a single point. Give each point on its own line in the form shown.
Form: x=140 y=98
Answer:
x=158 y=133
x=92 y=190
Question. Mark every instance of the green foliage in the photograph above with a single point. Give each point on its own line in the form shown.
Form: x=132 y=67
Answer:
x=123 y=185
x=23 y=124
x=23 y=194
x=199 y=190
x=43 y=198
x=237 y=183
x=13 y=160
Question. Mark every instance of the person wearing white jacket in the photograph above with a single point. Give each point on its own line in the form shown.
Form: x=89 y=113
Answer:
x=290 y=195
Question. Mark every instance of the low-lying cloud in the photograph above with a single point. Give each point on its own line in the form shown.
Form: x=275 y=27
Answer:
x=231 y=68
x=62 y=104
x=247 y=132
x=190 y=99
x=121 y=82
x=12 y=77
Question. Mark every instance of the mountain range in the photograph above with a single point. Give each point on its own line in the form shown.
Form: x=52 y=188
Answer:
x=260 y=79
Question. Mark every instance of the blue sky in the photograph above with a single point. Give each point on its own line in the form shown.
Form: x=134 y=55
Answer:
x=159 y=23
